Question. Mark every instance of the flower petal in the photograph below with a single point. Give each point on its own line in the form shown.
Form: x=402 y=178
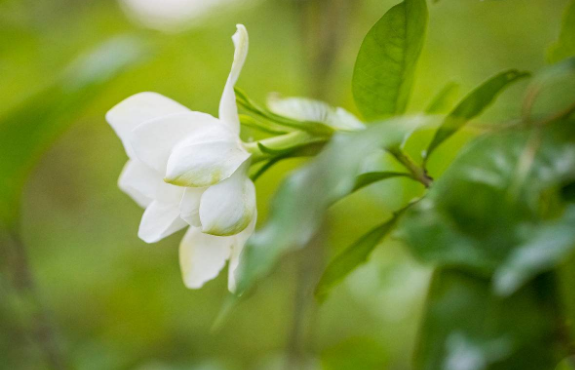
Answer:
x=154 y=140
x=228 y=107
x=137 y=109
x=228 y=207
x=302 y=109
x=190 y=206
x=237 y=248
x=159 y=221
x=202 y=257
x=205 y=160
x=139 y=182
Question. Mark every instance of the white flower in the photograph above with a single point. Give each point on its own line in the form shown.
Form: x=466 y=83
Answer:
x=174 y=15
x=189 y=168
x=303 y=109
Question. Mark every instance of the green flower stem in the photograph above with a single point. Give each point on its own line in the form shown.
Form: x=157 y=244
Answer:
x=282 y=142
x=417 y=173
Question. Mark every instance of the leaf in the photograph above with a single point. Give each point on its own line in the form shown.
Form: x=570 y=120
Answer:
x=299 y=206
x=444 y=100
x=28 y=131
x=473 y=105
x=386 y=64
x=351 y=258
x=368 y=178
x=484 y=218
x=565 y=46
x=467 y=327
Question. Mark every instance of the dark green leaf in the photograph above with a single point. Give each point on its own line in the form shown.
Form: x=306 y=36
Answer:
x=386 y=64
x=27 y=131
x=444 y=100
x=494 y=212
x=473 y=105
x=300 y=204
x=351 y=258
x=467 y=327
x=565 y=46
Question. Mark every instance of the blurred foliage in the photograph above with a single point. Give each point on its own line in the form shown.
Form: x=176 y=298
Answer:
x=119 y=304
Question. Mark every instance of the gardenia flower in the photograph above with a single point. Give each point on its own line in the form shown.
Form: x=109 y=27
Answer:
x=189 y=168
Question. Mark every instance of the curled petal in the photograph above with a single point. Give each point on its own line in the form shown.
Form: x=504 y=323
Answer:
x=228 y=107
x=228 y=208
x=154 y=140
x=137 y=109
x=202 y=257
x=159 y=221
x=190 y=206
x=237 y=248
x=202 y=161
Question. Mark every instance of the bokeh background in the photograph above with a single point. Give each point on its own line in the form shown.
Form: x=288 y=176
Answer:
x=117 y=303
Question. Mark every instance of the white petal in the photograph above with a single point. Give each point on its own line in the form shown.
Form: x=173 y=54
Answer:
x=344 y=120
x=228 y=207
x=159 y=221
x=303 y=109
x=202 y=257
x=139 y=182
x=190 y=206
x=300 y=109
x=202 y=161
x=237 y=248
x=138 y=109
x=154 y=140
x=228 y=107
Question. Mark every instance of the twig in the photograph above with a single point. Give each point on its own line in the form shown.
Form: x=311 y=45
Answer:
x=417 y=173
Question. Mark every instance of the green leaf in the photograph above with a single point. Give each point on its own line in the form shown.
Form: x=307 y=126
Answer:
x=492 y=212
x=565 y=46
x=299 y=207
x=351 y=258
x=467 y=327
x=368 y=178
x=386 y=64
x=473 y=105
x=28 y=131
x=444 y=100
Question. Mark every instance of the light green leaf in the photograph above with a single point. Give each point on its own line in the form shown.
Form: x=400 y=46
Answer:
x=368 y=178
x=351 y=258
x=386 y=64
x=467 y=327
x=565 y=46
x=473 y=105
x=444 y=100
x=299 y=206
x=27 y=131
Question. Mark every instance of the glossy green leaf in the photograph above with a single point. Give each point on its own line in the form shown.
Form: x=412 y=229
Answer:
x=565 y=46
x=473 y=105
x=495 y=212
x=467 y=327
x=386 y=64
x=445 y=99
x=351 y=258
x=27 y=131
x=299 y=207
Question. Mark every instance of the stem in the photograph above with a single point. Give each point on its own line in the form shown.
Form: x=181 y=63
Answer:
x=417 y=173
x=309 y=266
x=42 y=332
